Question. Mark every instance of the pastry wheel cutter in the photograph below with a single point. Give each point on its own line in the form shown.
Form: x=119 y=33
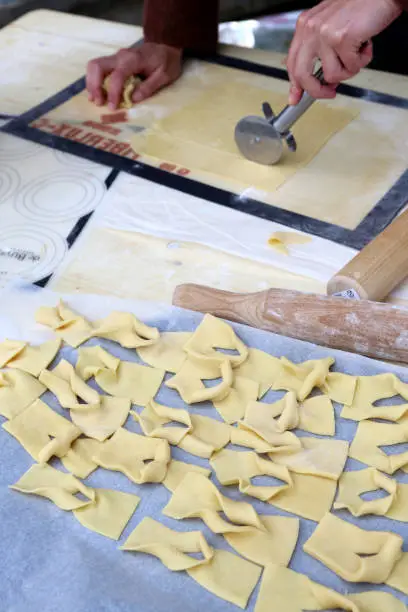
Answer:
x=261 y=139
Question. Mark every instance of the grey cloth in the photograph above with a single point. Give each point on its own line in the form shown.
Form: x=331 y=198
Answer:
x=50 y=563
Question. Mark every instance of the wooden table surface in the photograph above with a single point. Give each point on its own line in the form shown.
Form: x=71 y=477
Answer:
x=45 y=51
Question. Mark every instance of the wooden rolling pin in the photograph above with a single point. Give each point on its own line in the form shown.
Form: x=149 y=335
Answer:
x=359 y=326
x=378 y=268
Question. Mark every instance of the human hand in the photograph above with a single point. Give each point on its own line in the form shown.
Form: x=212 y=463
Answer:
x=339 y=33
x=159 y=64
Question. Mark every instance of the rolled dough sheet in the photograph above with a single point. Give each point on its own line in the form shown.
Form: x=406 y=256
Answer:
x=200 y=136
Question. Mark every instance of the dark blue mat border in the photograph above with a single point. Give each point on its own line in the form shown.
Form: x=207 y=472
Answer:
x=379 y=217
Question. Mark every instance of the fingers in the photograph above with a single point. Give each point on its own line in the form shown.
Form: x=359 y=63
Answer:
x=151 y=85
x=97 y=70
x=128 y=63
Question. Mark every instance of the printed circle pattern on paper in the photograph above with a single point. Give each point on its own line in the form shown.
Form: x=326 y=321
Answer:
x=13 y=148
x=30 y=252
x=9 y=182
x=60 y=197
x=75 y=162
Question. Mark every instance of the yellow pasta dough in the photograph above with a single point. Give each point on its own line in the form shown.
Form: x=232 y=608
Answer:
x=129 y=87
x=371 y=436
x=260 y=367
x=200 y=136
x=343 y=548
x=136 y=382
x=293 y=592
x=192 y=390
x=94 y=359
x=399 y=575
x=17 y=391
x=316 y=457
x=352 y=485
x=141 y=459
x=42 y=432
x=104 y=511
x=67 y=386
x=167 y=353
x=369 y=390
x=30 y=359
x=101 y=422
x=304 y=377
x=78 y=460
x=66 y=323
x=281 y=241
x=177 y=470
x=232 y=408
x=217 y=571
x=340 y=387
x=125 y=329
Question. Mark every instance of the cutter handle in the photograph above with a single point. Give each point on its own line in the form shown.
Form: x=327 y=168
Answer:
x=291 y=114
x=379 y=267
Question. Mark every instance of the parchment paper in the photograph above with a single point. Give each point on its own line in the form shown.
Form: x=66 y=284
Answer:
x=50 y=563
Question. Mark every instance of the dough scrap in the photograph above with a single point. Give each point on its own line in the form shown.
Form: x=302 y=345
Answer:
x=354 y=484
x=304 y=377
x=254 y=537
x=10 y=349
x=34 y=359
x=67 y=386
x=102 y=422
x=340 y=545
x=94 y=359
x=210 y=335
x=340 y=387
x=60 y=488
x=192 y=390
x=371 y=436
x=200 y=136
x=17 y=391
x=154 y=418
x=177 y=470
x=125 y=329
x=66 y=323
x=206 y=437
x=129 y=87
x=232 y=467
x=369 y=390
x=167 y=353
x=261 y=368
x=398 y=578
x=259 y=420
x=218 y=569
x=153 y=538
x=232 y=408
x=141 y=459
x=281 y=241
x=136 y=382
x=78 y=459
x=42 y=432
x=103 y=511
x=316 y=457
x=293 y=592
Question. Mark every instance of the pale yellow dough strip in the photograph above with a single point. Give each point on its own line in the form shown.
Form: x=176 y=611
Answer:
x=210 y=335
x=188 y=382
x=125 y=329
x=141 y=459
x=304 y=377
x=167 y=353
x=261 y=368
x=17 y=391
x=316 y=457
x=104 y=511
x=30 y=359
x=177 y=470
x=94 y=359
x=255 y=537
x=78 y=460
x=280 y=241
x=232 y=408
x=67 y=386
x=371 y=436
x=66 y=323
x=220 y=572
x=198 y=435
x=399 y=575
x=42 y=432
x=352 y=485
x=293 y=592
x=133 y=381
x=369 y=390
x=340 y=545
